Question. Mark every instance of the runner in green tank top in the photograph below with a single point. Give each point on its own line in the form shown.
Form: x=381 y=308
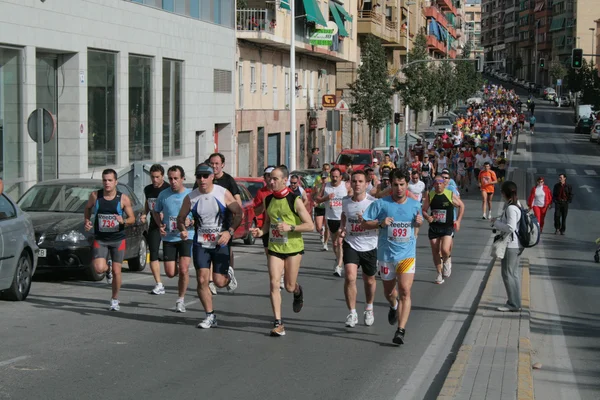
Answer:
x=286 y=219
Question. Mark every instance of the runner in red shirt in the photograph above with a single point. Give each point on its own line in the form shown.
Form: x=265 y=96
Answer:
x=258 y=204
x=469 y=164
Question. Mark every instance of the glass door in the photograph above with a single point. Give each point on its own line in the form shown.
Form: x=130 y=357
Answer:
x=47 y=97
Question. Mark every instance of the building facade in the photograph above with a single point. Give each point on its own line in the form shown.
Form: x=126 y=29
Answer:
x=472 y=23
x=492 y=31
x=126 y=81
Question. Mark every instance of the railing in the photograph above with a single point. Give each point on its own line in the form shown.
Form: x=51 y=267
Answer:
x=256 y=20
x=391 y=25
x=373 y=16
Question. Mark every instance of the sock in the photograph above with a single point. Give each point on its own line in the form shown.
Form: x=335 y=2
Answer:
x=396 y=306
x=278 y=322
x=180 y=300
x=208 y=314
x=353 y=311
x=369 y=307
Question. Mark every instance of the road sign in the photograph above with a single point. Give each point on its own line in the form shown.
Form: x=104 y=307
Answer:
x=41 y=125
x=342 y=106
x=559 y=82
x=329 y=101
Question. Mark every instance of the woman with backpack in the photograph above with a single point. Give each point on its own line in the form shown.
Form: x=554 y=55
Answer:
x=508 y=224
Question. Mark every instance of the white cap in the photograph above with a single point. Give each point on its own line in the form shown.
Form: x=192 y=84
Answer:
x=375 y=160
x=268 y=170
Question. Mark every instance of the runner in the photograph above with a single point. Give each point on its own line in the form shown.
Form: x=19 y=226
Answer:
x=258 y=204
x=108 y=206
x=298 y=190
x=216 y=217
x=487 y=179
x=442 y=225
x=532 y=121
x=416 y=188
x=151 y=192
x=175 y=250
x=333 y=193
x=359 y=250
x=396 y=216
x=427 y=171
x=286 y=219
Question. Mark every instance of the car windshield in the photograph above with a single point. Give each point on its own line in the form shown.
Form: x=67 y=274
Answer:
x=441 y=122
x=252 y=187
x=354 y=159
x=56 y=198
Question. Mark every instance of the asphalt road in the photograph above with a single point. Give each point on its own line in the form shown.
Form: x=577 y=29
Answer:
x=565 y=321
x=63 y=343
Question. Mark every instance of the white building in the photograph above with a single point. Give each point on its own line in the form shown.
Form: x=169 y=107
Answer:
x=127 y=80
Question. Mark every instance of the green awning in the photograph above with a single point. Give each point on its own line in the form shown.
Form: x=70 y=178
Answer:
x=343 y=11
x=285 y=4
x=313 y=13
x=557 y=23
x=338 y=20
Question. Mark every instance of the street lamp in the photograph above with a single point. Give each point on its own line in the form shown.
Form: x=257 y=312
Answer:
x=593 y=50
x=396 y=100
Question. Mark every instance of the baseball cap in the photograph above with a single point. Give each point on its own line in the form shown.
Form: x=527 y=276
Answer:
x=204 y=169
x=324 y=174
x=445 y=171
x=269 y=169
x=385 y=175
x=375 y=160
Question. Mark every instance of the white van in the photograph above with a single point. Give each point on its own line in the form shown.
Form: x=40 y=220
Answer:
x=582 y=110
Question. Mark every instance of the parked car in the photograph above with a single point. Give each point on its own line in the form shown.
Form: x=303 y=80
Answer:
x=56 y=208
x=358 y=158
x=595 y=132
x=584 y=125
x=565 y=101
x=18 y=251
x=442 y=124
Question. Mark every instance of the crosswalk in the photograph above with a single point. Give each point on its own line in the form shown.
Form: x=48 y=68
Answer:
x=554 y=171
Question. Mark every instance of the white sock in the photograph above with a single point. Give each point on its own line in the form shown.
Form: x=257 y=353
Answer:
x=353 y=311
x=180 y=300
x=369 y=307
x=396 y=306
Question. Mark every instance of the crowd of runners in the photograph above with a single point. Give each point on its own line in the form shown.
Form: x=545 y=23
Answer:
x=371 y=217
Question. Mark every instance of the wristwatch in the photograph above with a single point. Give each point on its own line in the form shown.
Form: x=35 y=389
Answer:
x=293 y=228
x=231 y=231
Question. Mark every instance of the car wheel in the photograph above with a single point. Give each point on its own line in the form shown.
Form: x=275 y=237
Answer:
x=249 y=239
x=92 y=275
x=21 y=283
x=139 y=263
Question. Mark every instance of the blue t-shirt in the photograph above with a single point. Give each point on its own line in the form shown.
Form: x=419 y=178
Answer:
x=397 y=241
x=532 y=120
x=169 y=203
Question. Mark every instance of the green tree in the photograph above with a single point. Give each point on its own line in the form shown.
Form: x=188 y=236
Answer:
x=371 y=92
x=468 y=80
x=447 y=84
x=557 y=71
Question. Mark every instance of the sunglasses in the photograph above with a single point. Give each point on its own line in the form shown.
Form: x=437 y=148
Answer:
x=202 y=176
x=293 y=183
x=446 y=177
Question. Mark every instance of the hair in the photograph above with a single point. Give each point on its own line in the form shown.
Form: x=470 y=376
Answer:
x=399 y=173
x=109 y=171
x=367 y=170
x=326 y=164
x=509 y=190
x=221 y=156
x=284 y=171
x=157 y=168
x=563 y=175
x=360 y=172
x=314 y=149
x=176 y=168
x=294 y=177
x=335 y=169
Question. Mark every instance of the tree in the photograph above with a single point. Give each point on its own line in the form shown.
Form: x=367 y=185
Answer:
x=447 y=85
x=371 y=92
x=468 y=80
x=557 y=71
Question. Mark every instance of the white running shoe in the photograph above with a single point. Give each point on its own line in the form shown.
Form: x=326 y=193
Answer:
x=369 y=317
x=114 y=305
x=440 y=279
x=213 y=288
x=180 y=306
x=352 y=320
x=337 y=271
x=232 y=285
x=158 y=289
x=281 y=283
x=447 y=270
x=208 y=322
x=325 y=248
x=489 y=215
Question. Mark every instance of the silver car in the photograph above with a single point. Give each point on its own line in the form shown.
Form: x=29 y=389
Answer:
x=18 y=251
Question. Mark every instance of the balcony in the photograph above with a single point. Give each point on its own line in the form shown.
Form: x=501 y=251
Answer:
x=436 y=45
x=446 y=5
x=374 y=23
x=435 y=12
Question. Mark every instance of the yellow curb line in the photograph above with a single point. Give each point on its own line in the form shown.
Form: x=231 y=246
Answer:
x=524 y=372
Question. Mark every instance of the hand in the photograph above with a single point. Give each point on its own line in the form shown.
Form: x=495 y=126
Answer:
x=283 y=227
x=88 y=225
x=388 y=221
x=183 y=235
x=419 y=219
x=162 y=216
x=430 y=219
x=143 y=218
x=224 y=238
x=188 y=222
x=331 y=196
x=360 y=217
x=457 y=226
x=256 y=232
x=163 y=230
x=550 y=206
x=119 y=219
x=340 y=239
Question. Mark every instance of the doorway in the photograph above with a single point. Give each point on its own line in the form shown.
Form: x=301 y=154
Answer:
x=46 y=69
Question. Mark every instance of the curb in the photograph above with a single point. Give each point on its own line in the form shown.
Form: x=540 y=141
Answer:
x=524 y=372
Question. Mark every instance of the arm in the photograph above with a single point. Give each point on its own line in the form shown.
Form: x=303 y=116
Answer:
x=258 y=204
x=461 y=211
x=87 y=212
x=512 y=218
x=304 y=199
x=383 y=193
x=425 y=208
x=532 y=197
x=322 y=197
x=1 y=187
x=186 y=206
x=307 y=224
x=548 y=196
x=235 y=208
x=126 y=202
x=494 y=179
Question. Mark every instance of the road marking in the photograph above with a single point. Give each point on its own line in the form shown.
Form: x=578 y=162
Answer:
x=532 y=170
x=571 y=172
x=13 y=360
x=590 y=172
x=189 y=303
x=551 y=170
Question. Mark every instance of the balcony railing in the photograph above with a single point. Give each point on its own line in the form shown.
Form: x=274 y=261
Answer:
x=372 y=16
x=256 y=20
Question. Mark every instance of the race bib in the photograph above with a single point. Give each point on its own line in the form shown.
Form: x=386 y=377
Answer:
x=173 y=224
x=151 y=204
x=353 y=228
x=439 y=216
x=399 y=232
x=335 y=203
x=277 y=237
x=108 y=223
x=208 y=237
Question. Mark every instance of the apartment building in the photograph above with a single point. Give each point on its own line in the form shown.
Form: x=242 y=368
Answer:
x=472 y=24
x=525 y=45
x=492 y=31
x=263 y=82
x=543 y=41
x=444 y=27
x=511 y=35
x=125 y=80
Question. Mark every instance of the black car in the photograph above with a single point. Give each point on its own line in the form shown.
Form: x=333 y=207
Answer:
x=584 y=125
x=56 y=208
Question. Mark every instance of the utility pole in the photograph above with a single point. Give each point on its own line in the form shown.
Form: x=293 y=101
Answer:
x=536 y=58
x=292 y=165
x=406 y=109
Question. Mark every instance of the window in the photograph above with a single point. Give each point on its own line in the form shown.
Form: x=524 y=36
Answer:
x=102 y=104
x=275 y=94
x=252 y=78
x=11 y=165
x=7 y=210
x=140 y=107
x=306 y=84
x=263 y=78
x=171 y=91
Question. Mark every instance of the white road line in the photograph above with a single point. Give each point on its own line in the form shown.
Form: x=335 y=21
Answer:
x=571 y=172
x=590 y=172
x=550 y=170
x=189 y=303
x=532 y=170
x=13 y=360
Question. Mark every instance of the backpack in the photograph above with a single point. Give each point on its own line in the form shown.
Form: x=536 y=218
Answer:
x=529 y=228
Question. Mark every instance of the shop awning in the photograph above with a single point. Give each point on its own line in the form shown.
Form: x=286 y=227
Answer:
x=313 y=13
x=338 y=19
x=285 y=4
x=343 y=11
x=539 y=6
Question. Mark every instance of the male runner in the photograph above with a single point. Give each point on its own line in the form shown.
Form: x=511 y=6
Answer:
x=359 y=249
x=396 y=216
x=442 y=224
x=175 y=250
x=298 y=190
x=286 y=219
x=108 y=206
x=151 y=192
x=333 y=193
x=216 y=217
x=319 y=209
x=427 y=171
x=258 y=203
x=487 y=179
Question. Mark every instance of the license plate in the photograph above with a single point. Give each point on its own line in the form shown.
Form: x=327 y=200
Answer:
x=42 y=253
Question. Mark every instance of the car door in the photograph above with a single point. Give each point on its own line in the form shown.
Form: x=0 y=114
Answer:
x=10 y=241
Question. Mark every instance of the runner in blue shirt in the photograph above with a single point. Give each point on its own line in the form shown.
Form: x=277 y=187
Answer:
x=532 y=123
x=396 y=217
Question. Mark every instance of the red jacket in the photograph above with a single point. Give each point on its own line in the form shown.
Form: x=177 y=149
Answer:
x=547 y=200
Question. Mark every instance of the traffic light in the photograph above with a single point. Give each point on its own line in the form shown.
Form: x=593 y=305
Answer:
x=479 y=63
x=397 y=119
x=542 y=62
x=577 y=58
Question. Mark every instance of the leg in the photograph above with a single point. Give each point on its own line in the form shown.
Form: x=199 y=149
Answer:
x=276 y=266
x=435 y=251
x=405 y=282
x=117 y=278
x=370 y=287
x=542 y=217
x=351 y=271
x=490 y=195
x=154 y=245
x=511 y=275
x=564 y=211
x=184 y=275
x=170 y=268
x=483 y=201
x=337 y=249
x=537 y=211
x=203 y=277
x=220 y=266
x=117 y=254
x=390 y=293
x=557 y=215
x=445 y=244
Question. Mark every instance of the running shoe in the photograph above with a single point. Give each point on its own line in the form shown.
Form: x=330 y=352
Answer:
x=399 y=336
x=208 y=322
x=447 y=270
x=158 y=289
x=337 y=271
x=281 y=283
x=392 y=316
x=489 y=215
x=369 y=317
x=440 y=279
x=212 y=287
x=352 y=320
x=298 y=300
x=114 y=305
x=180 y=306
x=278 y=329
x=232 y=285
x=483 y=217
x=325 y=248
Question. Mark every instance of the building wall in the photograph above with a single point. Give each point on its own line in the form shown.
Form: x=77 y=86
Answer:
x=68 y=29
x=586 y=12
